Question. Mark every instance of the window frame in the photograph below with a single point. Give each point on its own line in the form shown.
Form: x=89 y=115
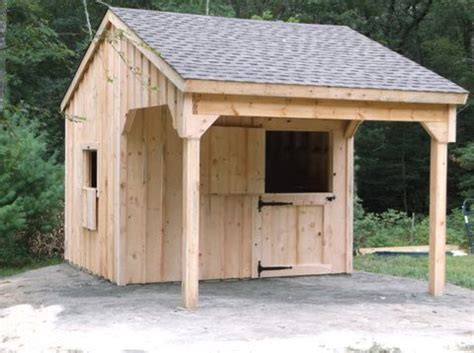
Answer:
x=90 y=193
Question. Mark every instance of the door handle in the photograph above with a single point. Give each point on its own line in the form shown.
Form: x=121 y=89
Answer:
x=331 y=198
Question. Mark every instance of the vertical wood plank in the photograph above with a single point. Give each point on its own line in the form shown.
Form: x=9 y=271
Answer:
x=153 y=91
x=162 y=88
x=245 y=264
x=109 y=126
x=349 y=203
x=236 y=160
x=190 y=250
x=211 y=244
x=172 y=236
x=135 y=203
x=102 y=132
x=233 y=218
x=256 y=236
x=335 y=238
x=120 y=226
x=438 y=181
x=154 y=227
x=255 y=161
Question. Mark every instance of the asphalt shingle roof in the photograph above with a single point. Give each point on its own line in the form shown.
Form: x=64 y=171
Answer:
x=229 y=49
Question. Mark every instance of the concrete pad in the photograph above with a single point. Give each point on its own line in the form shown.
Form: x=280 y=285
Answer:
x=61 y=309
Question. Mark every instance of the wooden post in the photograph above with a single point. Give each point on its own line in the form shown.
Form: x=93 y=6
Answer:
x=349 y=203
x=438 y=181
x=190 y=250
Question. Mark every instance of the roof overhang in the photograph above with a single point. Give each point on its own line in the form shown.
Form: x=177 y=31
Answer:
x=322 y=92
x=255 y=89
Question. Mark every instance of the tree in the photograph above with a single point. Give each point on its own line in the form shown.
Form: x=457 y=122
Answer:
x=31 y=190
x=466 y=162
x=37 y=66
x=47 y=39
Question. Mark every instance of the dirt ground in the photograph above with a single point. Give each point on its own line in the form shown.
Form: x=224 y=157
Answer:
x=61 y=309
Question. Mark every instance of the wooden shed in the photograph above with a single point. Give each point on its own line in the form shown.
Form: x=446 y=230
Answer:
x=202 y=147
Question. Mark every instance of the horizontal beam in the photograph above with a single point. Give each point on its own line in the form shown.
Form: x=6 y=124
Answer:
x=207 y=104
x=281 y=124
x=321 y=92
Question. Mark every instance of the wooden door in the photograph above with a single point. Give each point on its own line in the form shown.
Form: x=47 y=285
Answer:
x=292 y=235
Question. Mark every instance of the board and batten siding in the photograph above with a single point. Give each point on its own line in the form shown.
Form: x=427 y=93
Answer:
x=118 y=78
x=142 y=169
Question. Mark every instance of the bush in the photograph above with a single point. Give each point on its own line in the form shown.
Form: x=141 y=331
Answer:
x=395 y=228
x=465 y=158
x=456 y=228
x=31 y=188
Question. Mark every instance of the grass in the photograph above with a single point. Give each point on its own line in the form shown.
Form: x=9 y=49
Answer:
x=460 y=269
x=6 y=271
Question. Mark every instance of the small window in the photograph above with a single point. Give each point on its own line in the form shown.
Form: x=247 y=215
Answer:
x=90 y=201
x=297 y=162
x=90 y=172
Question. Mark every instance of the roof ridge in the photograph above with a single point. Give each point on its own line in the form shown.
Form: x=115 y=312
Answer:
x=236 y=19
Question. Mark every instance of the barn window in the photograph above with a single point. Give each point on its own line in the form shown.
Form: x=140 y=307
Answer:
x=91 y=168
x=89 y=188
x=297 y=162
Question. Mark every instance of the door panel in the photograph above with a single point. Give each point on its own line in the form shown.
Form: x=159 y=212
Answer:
x=279 y=245
x=310 y=234
x=292 y=235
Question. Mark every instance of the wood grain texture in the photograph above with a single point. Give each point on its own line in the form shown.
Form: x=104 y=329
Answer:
x=190 y=250
x=139 y=235
x=235 y=160
x=438 y=185
x=110 y=85
x=287 y=108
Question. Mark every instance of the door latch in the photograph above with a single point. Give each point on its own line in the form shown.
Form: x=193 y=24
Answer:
x=331 y=198
x=262 y=203
x=261 y=268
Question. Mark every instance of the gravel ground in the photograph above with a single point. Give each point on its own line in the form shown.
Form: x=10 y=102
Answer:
x=61 y=309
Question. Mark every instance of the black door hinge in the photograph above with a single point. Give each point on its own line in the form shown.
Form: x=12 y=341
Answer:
x=262 y=203
x=261 y=268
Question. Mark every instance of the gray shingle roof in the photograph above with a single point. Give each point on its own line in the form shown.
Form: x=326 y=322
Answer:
x=229 y=49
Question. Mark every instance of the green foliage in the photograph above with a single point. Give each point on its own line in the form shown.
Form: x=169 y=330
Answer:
x=267 y=15
x=460 y=269
x=37 y=66
x=31 y=188
x=395 y=228
x=456 y=231
x=393 y=171
x=46 y=40
x=465 y=159
x=216 y=8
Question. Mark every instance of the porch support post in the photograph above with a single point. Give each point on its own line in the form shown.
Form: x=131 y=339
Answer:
x=190 y=241
x=438 y=181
